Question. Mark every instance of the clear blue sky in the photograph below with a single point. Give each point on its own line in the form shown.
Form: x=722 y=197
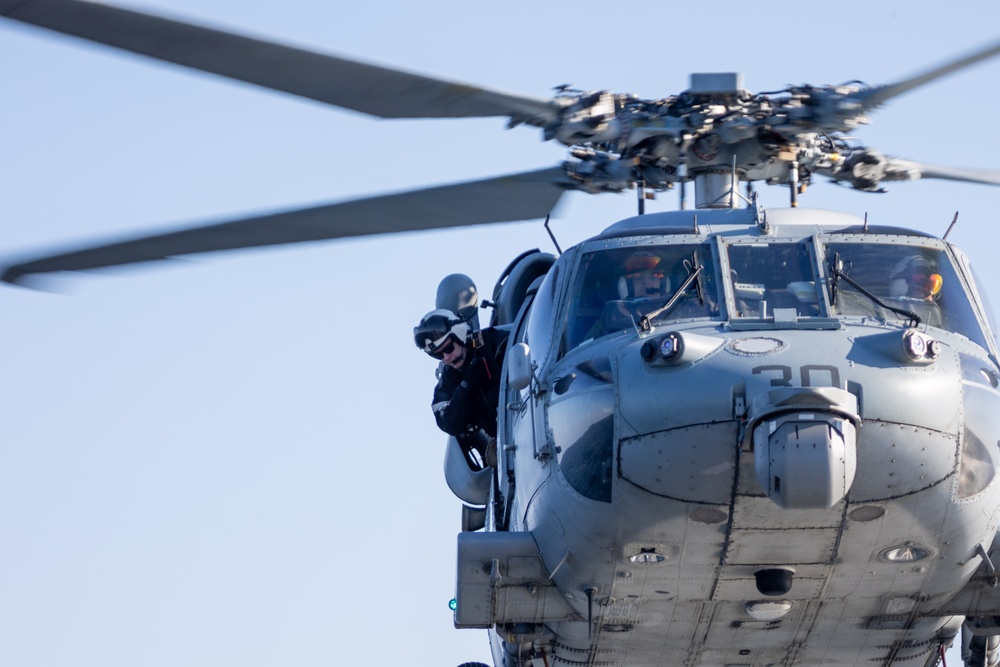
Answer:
x=231 y=461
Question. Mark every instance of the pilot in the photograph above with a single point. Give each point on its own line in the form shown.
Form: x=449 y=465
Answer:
x=641 y=289
x=468 y=388
x=642 y=279
x=914 y=277
x=915 y=283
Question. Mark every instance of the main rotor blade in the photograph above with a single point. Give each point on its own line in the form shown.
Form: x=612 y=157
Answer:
x=370 y=89
x=875 y=96
x=508 y=198
x=964 y=174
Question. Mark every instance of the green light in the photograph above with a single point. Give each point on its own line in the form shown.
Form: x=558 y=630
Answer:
x=453 y=604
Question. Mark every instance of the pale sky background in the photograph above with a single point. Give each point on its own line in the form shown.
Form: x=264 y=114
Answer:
x=232 y=461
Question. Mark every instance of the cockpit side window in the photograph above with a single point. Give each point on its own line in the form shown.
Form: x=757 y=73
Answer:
x=984 y=299
x=908 y=279
x=769 y=276
x=616 y=287
x=540 y=319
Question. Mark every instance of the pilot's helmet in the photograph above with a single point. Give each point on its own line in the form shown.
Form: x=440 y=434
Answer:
x=641 y=264
x=915 y=277
x=436 y=327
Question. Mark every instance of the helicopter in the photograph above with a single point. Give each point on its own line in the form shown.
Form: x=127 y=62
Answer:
x=599 y=602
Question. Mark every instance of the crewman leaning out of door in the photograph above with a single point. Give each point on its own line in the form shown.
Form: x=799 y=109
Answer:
x=468 y=389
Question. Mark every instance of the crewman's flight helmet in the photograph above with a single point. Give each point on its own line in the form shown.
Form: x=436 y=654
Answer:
x=915 y=277
x=437 y=326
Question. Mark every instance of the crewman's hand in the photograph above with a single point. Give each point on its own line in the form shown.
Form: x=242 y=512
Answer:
x=476 y=373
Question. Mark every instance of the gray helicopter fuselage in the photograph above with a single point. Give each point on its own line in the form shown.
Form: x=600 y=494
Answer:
x=777 y=468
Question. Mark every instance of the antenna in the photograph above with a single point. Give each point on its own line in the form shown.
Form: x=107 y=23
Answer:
x=551 y=235
x=953 y=221
x=590 y=590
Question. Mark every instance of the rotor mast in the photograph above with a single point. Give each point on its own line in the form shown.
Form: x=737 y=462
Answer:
x=712 y=163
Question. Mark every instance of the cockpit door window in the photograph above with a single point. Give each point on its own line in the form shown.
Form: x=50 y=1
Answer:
x=617 y=288
x=894 y=281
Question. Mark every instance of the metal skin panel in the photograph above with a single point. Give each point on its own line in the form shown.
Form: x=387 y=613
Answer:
x=887 y=451
x=782 y=547
x=927 y=396
x=658 y=398
x=694 y=463
x=757 y=512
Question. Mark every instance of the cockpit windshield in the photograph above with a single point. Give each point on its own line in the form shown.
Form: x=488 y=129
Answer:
x=617 y=289
x=769 y=276
x=771 y=283
x=896 y=281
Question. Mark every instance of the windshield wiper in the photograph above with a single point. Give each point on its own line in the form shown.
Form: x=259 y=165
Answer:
x=837 y=273
x=835 y=269
x=645 y=321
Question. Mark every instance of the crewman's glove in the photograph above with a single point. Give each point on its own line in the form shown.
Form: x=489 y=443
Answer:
x=476 y=373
